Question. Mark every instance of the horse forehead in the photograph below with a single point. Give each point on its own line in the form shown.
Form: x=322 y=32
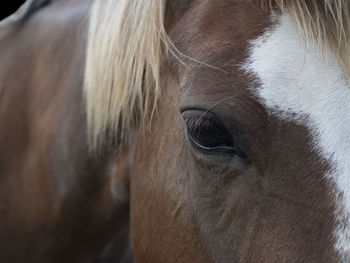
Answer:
x=218 y=32
x=298 y=83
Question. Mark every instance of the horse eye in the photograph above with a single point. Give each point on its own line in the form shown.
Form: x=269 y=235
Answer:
x=207 y=134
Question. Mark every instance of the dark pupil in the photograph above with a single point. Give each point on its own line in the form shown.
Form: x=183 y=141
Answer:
x=208 y=133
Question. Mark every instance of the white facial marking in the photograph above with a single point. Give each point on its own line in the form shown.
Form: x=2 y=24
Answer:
x=298 y=82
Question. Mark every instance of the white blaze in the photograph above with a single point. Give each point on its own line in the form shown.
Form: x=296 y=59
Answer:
x=297 y=81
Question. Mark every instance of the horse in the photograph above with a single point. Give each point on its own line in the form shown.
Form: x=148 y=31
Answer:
x=195 y=130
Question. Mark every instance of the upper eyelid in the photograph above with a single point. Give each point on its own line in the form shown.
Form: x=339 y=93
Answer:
x=198 y=122
x=205 y=114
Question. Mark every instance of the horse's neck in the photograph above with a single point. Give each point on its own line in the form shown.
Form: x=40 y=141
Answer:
x=28 y=8
x=42 y=74
x=48 y=178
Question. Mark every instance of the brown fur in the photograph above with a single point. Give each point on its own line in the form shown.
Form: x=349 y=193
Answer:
x=278 y=208
x=56 y=204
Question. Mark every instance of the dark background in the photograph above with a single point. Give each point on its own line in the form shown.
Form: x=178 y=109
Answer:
x=9 y=8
